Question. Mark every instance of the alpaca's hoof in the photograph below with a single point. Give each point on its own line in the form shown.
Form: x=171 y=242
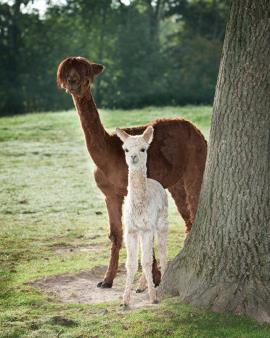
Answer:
x=155 y=301
x=140 y=290
x=124 y=306
x=104 y=285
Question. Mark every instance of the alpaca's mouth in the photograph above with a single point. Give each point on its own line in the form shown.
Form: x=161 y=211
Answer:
x=134 y=160
x=74 y=89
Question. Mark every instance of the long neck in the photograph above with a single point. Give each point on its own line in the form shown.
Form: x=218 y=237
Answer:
x=137 y=182
x=96 y=137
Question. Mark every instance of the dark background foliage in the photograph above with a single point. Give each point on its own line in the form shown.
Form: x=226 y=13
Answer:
x=156 y=52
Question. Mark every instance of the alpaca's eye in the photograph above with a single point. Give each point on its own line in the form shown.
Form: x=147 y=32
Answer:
x=143 y=150
x=126 y=150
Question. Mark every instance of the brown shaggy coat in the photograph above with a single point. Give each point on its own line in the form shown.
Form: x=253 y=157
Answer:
x=176 y=157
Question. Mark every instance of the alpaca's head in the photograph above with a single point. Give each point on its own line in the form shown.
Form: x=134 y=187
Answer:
x=75 y=74
x=135 y=147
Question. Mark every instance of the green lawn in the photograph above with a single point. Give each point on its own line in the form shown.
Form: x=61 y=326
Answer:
x=47 y=198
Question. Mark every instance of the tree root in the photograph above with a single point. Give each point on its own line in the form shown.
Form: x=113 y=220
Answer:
x=247 y=297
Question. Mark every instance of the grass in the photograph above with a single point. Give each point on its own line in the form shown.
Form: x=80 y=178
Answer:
x=47 y=198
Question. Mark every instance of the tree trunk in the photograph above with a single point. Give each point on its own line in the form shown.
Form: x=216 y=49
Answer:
x=101 y=50
x=16 y=99
x=155 y=12
x=225 y=262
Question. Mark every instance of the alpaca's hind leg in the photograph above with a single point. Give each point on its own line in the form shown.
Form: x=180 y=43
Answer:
x=146 y=241
x=193 y=182
x=131 y=240
x=162 y=250
x=162 y=244
x=155 y=273
x=180 y=198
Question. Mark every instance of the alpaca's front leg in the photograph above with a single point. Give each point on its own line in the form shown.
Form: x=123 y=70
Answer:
x=131 y=240
x=114 y=207
x=162 y=250
x=146 y=240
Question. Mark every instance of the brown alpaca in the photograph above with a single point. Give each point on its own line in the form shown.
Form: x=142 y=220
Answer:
x=176 y=158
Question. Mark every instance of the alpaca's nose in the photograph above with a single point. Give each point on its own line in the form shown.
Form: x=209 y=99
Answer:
x=71 y=81
x=134 y=158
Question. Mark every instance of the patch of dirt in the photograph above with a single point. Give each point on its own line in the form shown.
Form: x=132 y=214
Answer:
x=82 y=288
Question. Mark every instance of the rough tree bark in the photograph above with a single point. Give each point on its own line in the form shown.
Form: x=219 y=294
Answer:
x=225 y=262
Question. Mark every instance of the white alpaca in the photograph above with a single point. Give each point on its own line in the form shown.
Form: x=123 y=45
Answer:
x=145 y=213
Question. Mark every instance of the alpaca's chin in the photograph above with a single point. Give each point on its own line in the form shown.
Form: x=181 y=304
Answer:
x=75 y=91
x=79 y=91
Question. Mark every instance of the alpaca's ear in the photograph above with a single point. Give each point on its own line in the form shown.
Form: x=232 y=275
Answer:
x=97 y=68
x=121 y=134
x=148 y=134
